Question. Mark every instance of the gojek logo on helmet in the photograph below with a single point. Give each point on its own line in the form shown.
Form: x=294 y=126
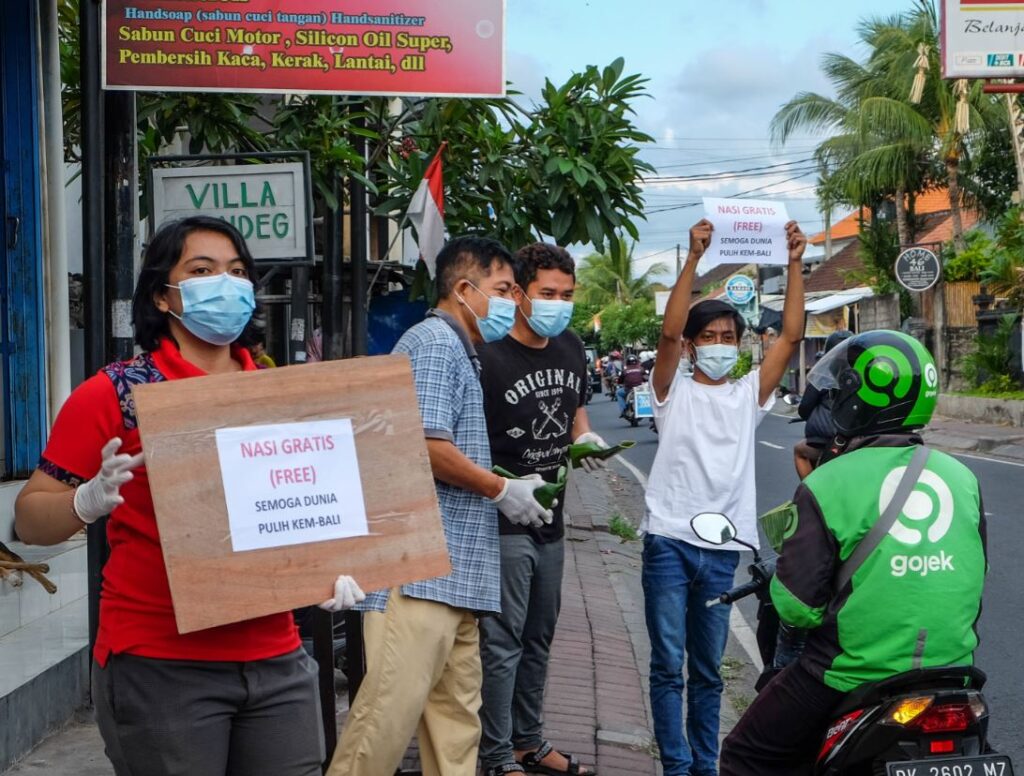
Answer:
x=886 y=375
x=930 y=508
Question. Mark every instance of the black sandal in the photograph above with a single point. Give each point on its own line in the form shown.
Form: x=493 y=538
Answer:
x=532 y=762
x=501 y=770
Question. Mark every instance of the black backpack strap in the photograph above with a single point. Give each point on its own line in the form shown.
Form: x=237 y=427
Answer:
x=888 y=518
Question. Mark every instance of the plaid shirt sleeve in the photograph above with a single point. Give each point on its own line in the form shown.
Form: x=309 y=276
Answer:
x=437 y=386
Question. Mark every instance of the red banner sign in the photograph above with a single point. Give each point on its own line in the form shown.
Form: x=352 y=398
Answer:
x=389 y=47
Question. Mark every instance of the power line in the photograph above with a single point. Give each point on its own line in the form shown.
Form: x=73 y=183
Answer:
x=751 y=172
x=742 y=194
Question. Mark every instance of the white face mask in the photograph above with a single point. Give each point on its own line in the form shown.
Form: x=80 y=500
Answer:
x=716 y=361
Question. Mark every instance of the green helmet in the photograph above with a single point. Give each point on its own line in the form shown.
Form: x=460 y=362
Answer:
x=879 y=382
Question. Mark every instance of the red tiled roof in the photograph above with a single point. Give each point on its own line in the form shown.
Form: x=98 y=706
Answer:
x=926 y=204
x=834 y=274
x=845 y=229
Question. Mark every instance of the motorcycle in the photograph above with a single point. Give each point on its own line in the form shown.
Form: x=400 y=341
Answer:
x=925 y=722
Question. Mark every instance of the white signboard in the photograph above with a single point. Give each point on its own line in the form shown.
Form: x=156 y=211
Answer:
x=982 y=39
x=747 y=231
x=265 y=202
x=291 y=483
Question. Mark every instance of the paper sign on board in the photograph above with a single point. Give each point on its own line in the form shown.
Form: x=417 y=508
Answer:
x=747 y=231
x=291 y=483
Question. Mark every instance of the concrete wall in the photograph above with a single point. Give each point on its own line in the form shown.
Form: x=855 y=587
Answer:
x=880 y=312
x=996 y=411
x=959 y=342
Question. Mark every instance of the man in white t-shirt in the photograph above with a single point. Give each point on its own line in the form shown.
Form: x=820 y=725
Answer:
x=705 y=463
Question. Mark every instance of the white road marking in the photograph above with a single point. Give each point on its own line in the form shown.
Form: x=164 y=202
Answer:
x=772 y=445
x=780 y=415
x=990 y=460
x=746 y=637
x=640 y=476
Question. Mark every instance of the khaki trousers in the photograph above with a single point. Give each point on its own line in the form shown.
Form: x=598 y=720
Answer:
x=423 y=676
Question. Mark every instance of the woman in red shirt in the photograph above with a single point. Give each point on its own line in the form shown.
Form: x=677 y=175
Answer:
x=238 y=700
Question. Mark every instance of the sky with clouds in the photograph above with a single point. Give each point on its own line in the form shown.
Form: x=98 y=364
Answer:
x=718 y=73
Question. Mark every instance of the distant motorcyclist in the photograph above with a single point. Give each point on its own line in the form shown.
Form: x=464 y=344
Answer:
x=816 y=408
x=913 y=601
x=633 y=376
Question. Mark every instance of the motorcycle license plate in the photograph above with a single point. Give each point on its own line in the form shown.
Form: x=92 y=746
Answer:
x=986 y=765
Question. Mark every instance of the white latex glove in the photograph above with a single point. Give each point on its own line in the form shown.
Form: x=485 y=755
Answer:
x=517 y=504
x=99 y=496
x=347 y=594
x=592 y=464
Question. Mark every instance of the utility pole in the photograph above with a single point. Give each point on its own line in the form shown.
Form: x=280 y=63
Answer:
x=92 y=260
x=679 y=259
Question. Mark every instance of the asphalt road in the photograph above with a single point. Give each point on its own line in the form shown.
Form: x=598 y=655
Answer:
x=1003 y=494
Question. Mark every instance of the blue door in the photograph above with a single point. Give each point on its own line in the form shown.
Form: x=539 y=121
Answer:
x=22 y=354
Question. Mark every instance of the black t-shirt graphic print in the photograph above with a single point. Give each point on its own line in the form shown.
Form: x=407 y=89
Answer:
x=530 y=399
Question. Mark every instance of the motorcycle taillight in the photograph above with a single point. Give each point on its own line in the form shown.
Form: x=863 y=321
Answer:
x=838 y=731
x=945 y=718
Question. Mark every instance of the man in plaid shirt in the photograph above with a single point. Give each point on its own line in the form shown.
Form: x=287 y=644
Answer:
x=422 y=640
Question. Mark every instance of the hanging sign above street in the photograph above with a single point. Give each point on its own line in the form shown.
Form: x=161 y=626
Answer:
x=265 y=202
x=918 y=269
x=451 y=48
x=747 y=231
x=982 y=39
x=740 y=290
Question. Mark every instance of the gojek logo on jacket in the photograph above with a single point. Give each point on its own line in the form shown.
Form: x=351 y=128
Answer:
x=928 y=514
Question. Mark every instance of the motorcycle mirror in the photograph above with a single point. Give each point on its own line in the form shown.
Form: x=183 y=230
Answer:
x=713 y=528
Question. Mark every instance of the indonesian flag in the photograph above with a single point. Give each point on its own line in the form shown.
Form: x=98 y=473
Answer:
x=426 y=212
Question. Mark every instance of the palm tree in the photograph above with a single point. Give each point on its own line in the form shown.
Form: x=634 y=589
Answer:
x=880 y=145
x=958 y=112
x=877 y=143
x=605 y=278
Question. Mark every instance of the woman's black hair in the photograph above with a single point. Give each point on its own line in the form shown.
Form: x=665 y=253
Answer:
x=160 y=256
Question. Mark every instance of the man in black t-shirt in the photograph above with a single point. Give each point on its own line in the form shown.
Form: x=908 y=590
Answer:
x=534 y=384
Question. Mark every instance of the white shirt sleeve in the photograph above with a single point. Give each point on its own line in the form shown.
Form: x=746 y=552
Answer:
x=752 y=384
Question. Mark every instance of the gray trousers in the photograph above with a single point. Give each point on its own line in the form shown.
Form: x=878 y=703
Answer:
x=199 y=718
x=514 y=647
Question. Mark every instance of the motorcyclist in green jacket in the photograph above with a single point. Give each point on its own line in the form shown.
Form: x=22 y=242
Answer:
x=913 y=602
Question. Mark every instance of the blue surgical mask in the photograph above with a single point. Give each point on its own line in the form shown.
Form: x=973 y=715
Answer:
x=500 y=318
x=216 y=309
x=716 y=361
x=550 y=316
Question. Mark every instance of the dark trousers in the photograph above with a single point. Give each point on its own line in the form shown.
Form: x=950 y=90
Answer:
x=197 y=718
x=781 y=732
x=515 y=646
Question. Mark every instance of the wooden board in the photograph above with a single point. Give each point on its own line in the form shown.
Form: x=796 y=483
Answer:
x=212 y=585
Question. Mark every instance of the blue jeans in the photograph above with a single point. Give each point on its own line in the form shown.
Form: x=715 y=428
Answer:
x=679 y=579
x=620 y=394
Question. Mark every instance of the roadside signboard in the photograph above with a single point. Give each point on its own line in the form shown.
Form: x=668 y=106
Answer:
x=661 y=302
x=747 y=231
x=982 y=38
x=265 y=202
x=918 y=269
x=443 y=48
x=643 y=406
x=740 y=289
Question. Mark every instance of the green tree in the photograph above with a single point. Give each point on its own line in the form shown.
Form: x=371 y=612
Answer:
x=629 y=325
x=610 y=277
x=566 y=168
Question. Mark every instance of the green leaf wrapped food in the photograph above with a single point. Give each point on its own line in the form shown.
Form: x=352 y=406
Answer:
x=590 y=450
x=546 y=494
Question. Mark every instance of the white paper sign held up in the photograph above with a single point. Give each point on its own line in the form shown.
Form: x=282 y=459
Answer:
x=291 y=483
x=747 y=231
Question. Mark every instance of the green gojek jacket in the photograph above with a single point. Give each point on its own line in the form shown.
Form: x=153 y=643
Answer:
x=915 y=601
